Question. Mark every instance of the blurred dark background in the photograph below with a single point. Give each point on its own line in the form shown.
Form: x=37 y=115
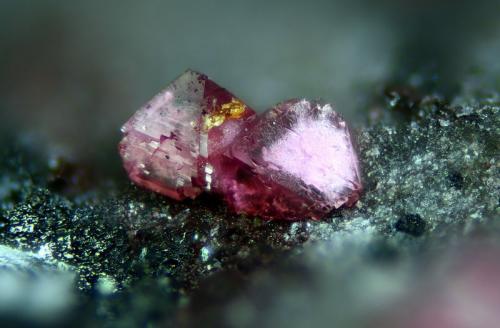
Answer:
x=73 y=72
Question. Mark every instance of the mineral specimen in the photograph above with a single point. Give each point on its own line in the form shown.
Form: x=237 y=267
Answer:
x=293 y=162
x=167 y=143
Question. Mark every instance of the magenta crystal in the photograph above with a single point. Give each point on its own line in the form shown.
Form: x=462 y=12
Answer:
x=295 y=161
x=167 y=143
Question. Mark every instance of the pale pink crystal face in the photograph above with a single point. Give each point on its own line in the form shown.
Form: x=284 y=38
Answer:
x=295 y=161
x=167 y=143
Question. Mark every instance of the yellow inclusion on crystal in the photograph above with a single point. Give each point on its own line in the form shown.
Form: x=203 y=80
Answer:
x=233 y=109
x=213 y=121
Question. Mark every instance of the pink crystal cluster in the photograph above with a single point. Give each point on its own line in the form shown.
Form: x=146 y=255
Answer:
x=293 y=162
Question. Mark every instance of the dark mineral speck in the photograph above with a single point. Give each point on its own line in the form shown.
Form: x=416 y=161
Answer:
x=402 y=98
x=456 y=179
x=411 y=224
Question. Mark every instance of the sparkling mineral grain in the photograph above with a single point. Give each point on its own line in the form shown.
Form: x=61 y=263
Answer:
x=295 y=161
x=168 y=144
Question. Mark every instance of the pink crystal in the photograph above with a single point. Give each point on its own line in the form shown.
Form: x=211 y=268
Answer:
x=293 y=162
x=167 y=143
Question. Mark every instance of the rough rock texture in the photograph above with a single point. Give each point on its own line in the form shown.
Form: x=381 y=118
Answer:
x=431 y=193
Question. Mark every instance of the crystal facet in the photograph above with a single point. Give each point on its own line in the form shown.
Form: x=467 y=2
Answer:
x=167 y=143
x=295 y=161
